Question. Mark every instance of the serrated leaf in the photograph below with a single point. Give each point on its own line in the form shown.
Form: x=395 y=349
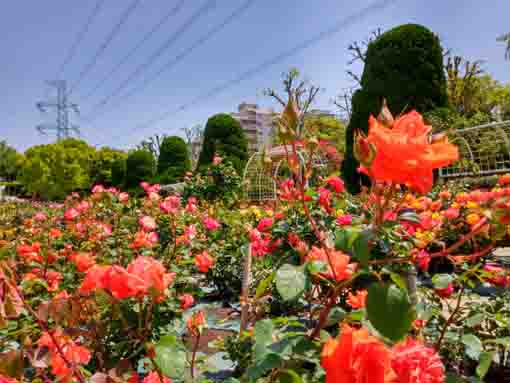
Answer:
x=361 y=248
x=290 y=282
x=264 y=285
x=484 y=364
x=473 y=346
x=441 y=281
x=389 y=310
x=345 y=238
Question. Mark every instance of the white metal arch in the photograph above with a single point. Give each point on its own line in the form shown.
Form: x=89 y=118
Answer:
x=485 y=151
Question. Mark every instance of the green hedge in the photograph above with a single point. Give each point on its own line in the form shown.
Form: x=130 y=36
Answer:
x=173 y=161
x=405 y=66
x=223 y=135
x=140 y=166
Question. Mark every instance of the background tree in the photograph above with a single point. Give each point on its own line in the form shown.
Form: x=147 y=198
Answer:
x=405 y=66
x=52 y=171
x=152 y=145
x=194 y=138
x=506 y=39
x=140 y=166
x=173 y=160
x=223 y=135
x=118 y=171
x=10 y=162
x=103 y=164
x=326 y=128
x=462 y=83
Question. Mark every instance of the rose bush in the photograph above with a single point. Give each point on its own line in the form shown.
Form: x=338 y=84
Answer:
x=102 y=289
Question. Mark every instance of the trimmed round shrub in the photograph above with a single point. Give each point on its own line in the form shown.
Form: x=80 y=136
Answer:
x=173 y=160
x=139 y=167
x=224 y=136
x=404 y=66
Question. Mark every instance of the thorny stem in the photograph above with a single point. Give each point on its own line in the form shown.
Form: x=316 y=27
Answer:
x=45 y=328
x=194 y=355
x=450 y=319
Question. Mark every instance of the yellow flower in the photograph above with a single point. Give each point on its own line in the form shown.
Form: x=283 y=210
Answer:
x=417 y=205
x=455 y=205
x=472 y=219
x=436 y=215
x=472 y=205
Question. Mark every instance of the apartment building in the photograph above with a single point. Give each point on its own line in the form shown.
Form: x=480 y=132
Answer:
x=257 y=124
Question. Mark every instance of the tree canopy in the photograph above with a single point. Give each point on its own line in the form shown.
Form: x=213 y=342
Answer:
x=224 y=136
x=404 y=66
x=52 y=171
x=173 y=160
x=10 y=161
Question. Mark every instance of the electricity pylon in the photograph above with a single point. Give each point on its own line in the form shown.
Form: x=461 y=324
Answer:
x=62 y=126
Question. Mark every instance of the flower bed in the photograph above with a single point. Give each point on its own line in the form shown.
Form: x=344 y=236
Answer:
x=105 y=288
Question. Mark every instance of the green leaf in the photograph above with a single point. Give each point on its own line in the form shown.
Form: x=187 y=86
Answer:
x=441 y=281
x=473 y=346
x=263 y=285
x=409 y=216
x=336 y=315
x=475 y=320
x=344 y=238
x=262 y=367
x=398 y=280
x=505 y=342
x=290 y=282
x=389 y=310
x=11 y=364
x=263 y=338
x=453 y=378
x=361 y=249
x=171 y=356
x=289 y=376
x=485 y=363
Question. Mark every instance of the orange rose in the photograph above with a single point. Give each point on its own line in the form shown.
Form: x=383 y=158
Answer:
x=405 y=154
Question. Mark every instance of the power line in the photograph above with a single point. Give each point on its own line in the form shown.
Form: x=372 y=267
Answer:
x=175 y=60
x=188 y=24
x=102 y=48
x=80 y=36
x=337 y=27
x=140 y=43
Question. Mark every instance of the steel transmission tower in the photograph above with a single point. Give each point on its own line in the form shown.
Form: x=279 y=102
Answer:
x=61 y=105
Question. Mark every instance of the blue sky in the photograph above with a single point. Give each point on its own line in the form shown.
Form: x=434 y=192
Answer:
x=37 y=35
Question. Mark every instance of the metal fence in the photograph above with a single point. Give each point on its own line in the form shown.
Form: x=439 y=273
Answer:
x=484 y=150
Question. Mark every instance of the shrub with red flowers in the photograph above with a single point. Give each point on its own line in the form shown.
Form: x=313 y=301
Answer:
x=103 y=289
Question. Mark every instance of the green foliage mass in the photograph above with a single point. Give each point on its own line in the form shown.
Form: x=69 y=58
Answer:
x=173 y=161
x=52 y=171
x=224 y=136
x=103 y=166
x=405 y=66
x=10 y=161
x=219 y=182
x=140 y=166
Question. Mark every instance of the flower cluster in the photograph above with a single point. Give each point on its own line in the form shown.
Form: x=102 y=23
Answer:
x=356 y=356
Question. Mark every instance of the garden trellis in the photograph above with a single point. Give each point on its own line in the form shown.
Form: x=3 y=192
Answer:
x=484 y=150
x=260 y=178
